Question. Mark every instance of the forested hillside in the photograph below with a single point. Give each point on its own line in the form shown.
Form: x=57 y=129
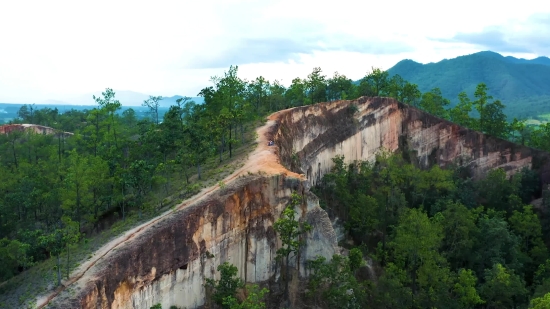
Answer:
x=442 y=239
x=523 y=85
x=56 y=191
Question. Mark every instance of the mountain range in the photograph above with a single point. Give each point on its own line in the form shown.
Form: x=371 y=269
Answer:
x=522 y=85
x=126 y=98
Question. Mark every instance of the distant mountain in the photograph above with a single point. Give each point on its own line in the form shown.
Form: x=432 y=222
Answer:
x=522 y=85
x=169 y=101
x=539 y=60
x=126 y=98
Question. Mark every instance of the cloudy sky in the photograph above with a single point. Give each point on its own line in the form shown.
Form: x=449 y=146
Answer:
x=65 y=49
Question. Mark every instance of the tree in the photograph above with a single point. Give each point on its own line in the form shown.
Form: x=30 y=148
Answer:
x=480 y=103
x=335 y=282
x=259 y=91
x=54 y=243
x=461 y=112
x=411 y=94
x=229 y=97
x=376 y=80
x=464 y=290
x=227 y=285
x=434 y=103
x=540 y=137
x=494 y=120
x=110 y=105
x=339 y=87
x=460 y=233
x=316 y=86
x=153 y=103
x=276 y=96
x=502 y=288
x=71 y=236
x=527 y=226
x=395 y=87
x=495 y=244
x=253 y=300
x=139 y=178
x=434 y=184
x=75 y=192
x=415 y=249
x=296 y=93
x=13 y=254
x=540 y=302
x=289 y=230
x=518 y=132
x=498 y=192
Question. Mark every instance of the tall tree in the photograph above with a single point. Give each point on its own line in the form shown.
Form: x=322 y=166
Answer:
x=316 y=85
x=227 y=285
x=434 y=103
x=153 y=103
x=378 y=80
x=296 y=93
x=502 y=288
x=480 y=102
x=339 y=87
x=415 y=246
x=411 y=94
x=461 y=112
x=290 y=231
x=75 y=193
x=494 y=120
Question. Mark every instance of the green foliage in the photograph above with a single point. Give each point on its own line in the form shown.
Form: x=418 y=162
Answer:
x=157 y=306
x=434 y=251
x=502 y=288
x=465 y=289
x=289 y=228
x=253 y=300
x=12 y=255
x=434 y=103
x=335 y=282
x=290 y=231
x=227 y=285
x=540 y=302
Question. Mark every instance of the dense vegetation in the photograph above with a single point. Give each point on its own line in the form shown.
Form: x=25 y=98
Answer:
x=56 y=190
x=441 y=239
x=521 y=84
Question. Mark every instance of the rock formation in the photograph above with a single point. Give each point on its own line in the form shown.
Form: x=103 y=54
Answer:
x=35 y=128
x=166 y=261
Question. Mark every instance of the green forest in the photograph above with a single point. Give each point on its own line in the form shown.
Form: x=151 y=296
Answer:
x=59 y=192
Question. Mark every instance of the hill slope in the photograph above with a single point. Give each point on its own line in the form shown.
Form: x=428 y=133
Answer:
x=522 y=85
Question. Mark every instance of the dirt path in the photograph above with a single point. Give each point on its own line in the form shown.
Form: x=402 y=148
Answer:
x=264 y=158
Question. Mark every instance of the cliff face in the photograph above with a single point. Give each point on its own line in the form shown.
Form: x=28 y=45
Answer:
x=167 y=261
x=311 y=136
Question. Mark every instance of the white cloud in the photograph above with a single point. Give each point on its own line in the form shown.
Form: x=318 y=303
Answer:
x=59 y=49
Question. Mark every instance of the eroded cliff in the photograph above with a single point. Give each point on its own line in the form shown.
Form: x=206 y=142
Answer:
x=167 y=261
x=311 y=136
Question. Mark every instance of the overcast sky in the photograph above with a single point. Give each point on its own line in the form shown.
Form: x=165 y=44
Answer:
x=63 y=49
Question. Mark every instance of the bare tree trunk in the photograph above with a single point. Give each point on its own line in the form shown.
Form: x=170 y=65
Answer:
x=58 y=270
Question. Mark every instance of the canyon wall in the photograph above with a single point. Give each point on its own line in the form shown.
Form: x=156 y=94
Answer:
x=311 y=136
x=168 y=260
